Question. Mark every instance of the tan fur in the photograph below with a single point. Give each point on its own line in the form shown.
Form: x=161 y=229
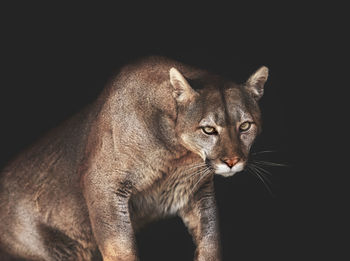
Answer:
x=135 y=155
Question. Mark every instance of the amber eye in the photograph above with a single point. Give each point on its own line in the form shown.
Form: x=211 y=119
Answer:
x=209 y=130
x=245 y=126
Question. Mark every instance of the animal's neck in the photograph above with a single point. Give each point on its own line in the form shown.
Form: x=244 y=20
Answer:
x=185 y=157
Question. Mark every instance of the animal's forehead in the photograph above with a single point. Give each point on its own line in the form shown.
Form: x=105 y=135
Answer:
x=225 y=105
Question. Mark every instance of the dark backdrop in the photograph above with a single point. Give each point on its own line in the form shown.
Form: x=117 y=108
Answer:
x=58 y=58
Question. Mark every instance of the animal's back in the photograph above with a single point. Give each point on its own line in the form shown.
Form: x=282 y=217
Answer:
x=40 y=189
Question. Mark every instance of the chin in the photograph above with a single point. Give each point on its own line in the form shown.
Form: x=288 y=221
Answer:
x=226 y=174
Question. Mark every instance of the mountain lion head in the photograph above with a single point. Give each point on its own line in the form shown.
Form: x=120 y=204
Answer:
x=218 y=119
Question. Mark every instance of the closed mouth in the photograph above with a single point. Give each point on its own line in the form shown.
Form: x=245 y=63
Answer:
x=224 y=170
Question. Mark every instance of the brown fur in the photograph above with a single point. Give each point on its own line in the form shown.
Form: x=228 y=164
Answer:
x=124 y=161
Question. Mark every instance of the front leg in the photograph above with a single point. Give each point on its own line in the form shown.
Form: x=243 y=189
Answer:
x=108 y=204
x=200 y=217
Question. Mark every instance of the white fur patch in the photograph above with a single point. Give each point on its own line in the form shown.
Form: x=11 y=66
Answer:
x=226 y=171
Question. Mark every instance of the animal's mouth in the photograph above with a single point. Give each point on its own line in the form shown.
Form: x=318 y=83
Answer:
x=225 y=170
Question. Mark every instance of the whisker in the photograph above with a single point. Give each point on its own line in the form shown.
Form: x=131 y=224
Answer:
x=261 y=169
x=264 y=176
x=269 y=163
x=205 y=173
x=266 y=185
x=196 y=167
x=199 y=180
x=199 y=168
x=260 y=177
x=190 y=167
x=264 y=151
x=198 y=172
x=185 y=172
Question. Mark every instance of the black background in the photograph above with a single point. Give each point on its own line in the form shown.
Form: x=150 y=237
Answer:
x=58 y=58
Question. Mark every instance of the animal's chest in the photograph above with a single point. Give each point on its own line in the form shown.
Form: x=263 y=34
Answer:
x=169 y=194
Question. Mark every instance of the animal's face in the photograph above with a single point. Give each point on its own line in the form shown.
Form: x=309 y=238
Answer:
x=220 y=123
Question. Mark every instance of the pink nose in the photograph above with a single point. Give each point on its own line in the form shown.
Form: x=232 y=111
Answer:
x=231 y=162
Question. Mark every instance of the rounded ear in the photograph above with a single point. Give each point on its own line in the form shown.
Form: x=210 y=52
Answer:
x=182 y=90
x=255 y=83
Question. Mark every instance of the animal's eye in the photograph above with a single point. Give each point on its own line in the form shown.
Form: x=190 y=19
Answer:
x=209 y=130
x=245 y=126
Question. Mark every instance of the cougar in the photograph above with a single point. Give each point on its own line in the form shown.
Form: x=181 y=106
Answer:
x=147 y=148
